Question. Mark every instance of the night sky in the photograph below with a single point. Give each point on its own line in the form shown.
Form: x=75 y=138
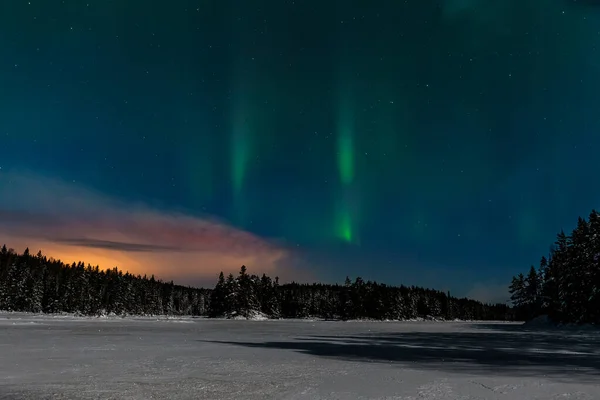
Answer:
x=441 y=143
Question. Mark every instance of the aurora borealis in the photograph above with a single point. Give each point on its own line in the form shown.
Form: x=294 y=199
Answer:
x=437 y=142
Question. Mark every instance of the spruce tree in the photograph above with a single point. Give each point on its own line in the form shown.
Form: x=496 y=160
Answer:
x=593 y=272
x=532 y=292
x=247 y=302
x=518 y=296
x=218 y=298
x=231 y=296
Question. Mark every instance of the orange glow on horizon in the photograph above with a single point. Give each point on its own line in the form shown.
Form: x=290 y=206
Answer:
x=105 y=259
x=169 y=265
x=72 y=223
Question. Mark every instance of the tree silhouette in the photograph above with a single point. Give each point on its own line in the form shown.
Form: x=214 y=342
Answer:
x=38 y=284
x=567 y=285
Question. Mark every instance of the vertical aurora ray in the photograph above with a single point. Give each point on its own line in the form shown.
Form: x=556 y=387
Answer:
x=242 y=124
x=346 y=209
x=350 y=183
x=345 y=142
x=244 y=78
x=346 y=218
x=239 y=153
x=344 y=226
x=346 y=158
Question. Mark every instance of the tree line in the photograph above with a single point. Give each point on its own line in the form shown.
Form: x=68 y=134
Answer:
x=39 y=284
x=249 y=295
x=566 y=285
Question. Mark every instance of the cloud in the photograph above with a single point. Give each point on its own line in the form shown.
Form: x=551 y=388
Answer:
x=108 y=245
x=74 y=223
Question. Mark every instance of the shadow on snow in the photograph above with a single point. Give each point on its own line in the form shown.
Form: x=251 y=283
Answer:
x=507 y=350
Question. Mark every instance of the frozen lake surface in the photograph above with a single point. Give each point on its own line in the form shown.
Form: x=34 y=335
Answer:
x=59 y=357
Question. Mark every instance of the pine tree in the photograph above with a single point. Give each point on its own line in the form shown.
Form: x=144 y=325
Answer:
x=593 y=273
x=231 y=303
x=217 y=298
x=532 y=292
x=518 y=296
x=577 y=273
x=346 y=305
x=560 y=270
x=247 y=302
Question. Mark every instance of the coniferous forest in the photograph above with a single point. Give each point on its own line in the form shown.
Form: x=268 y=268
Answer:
x=566 y=286
x=35 y=283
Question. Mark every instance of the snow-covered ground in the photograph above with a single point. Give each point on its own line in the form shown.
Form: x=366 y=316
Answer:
x=63 y=357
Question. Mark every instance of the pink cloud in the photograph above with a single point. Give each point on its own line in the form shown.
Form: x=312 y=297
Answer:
x=74 y=223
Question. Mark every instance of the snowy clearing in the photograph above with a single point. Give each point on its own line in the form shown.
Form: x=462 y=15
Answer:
x=64 y=357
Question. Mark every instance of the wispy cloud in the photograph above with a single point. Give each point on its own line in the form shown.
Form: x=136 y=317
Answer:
x=73 y=223
x=109 y=245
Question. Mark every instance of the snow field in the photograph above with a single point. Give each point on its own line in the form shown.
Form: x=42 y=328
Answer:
x=65 y=357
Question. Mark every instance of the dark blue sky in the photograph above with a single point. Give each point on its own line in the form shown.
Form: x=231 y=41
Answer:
x=439 y=143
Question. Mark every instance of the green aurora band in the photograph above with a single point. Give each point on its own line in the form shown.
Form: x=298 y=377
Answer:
x=345 y=144
x=345 y=225
x=239 y=151
x=240 y=154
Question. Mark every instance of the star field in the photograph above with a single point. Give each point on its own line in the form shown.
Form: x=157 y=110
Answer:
x=439 y=143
